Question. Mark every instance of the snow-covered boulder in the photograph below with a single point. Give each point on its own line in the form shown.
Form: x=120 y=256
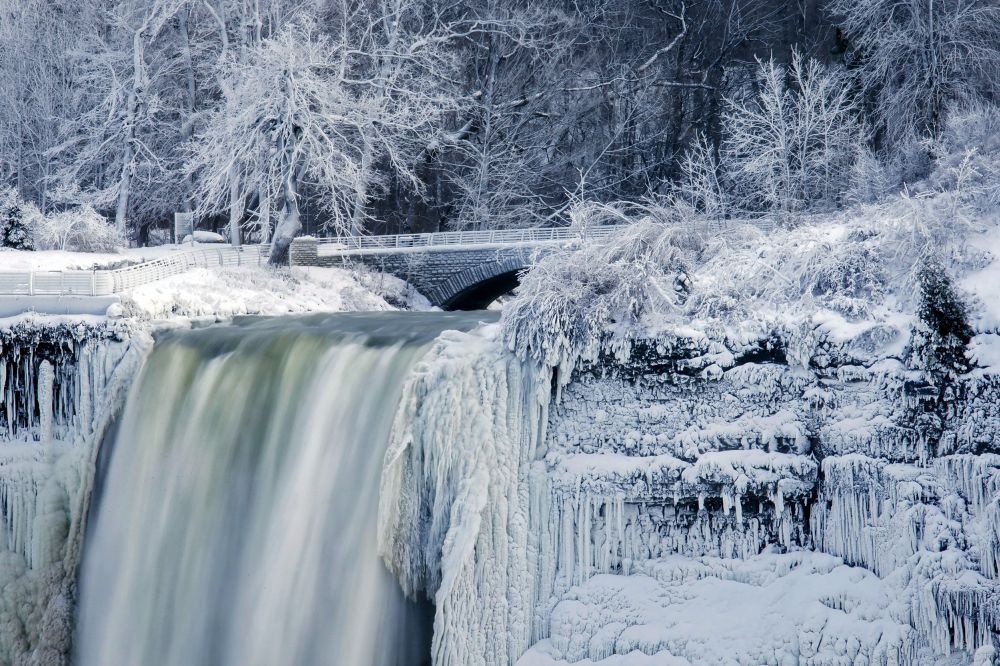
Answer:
x=202 y=236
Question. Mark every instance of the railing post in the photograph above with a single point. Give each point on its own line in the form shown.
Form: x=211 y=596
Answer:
x=31 y=283
x=304 y=251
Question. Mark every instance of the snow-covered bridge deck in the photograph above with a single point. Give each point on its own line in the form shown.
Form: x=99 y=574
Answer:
x=456 y=270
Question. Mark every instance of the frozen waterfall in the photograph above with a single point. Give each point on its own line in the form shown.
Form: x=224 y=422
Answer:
x=236 y=523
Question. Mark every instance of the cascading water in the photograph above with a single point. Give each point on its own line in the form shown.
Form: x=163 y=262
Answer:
x=236 y=524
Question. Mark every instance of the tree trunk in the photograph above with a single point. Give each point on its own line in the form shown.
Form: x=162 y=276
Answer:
x=235 y=207
x=187 y=122
x=131 y=118
x=361 y=191
x=289 y=223
x=264 y=216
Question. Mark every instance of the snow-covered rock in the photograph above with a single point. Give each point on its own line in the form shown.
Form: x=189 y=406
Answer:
x=202 y=236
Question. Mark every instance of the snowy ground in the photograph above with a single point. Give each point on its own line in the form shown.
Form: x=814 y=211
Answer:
x=225 y=292
x=795 y=608
x=56 y=260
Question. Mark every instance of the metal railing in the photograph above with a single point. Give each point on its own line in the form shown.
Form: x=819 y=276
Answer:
x=106 y=282
x=496 y=237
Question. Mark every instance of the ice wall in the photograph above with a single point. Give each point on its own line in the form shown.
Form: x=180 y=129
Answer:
x=463 y=513
x=62 y=386
x=505 y=503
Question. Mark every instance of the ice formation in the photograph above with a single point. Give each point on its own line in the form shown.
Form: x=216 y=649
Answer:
x=589 y=522
x=62 y=386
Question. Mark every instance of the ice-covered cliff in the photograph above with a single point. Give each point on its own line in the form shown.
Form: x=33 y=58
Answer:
x=62 y=384
x=827 y=509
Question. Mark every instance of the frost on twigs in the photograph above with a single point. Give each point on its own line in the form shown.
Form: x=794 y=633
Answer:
x=573 y=305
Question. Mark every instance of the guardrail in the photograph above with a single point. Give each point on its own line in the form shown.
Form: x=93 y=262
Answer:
x=112 y=281
x=499 y=236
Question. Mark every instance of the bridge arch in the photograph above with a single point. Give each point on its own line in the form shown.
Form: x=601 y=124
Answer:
x=476 y=287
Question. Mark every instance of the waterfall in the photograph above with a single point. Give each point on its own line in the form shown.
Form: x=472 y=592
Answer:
x=236 y=520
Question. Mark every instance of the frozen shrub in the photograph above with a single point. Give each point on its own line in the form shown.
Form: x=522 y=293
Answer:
x=871 y=179
x=79 y=229
x=967 y=158
x=939 y=341
x=702 y=183
x=569 y=302
x=851 y=280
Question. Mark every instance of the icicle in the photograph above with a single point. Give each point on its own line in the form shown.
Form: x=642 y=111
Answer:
x=45 y=393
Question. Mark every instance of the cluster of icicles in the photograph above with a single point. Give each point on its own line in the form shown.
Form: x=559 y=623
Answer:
x=465 y=478
x=470 y=516
x=52 y=407
x=931 y=530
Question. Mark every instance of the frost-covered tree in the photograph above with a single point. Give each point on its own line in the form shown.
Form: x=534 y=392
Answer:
x=792 y=142
x=119 y=137
x=915 y=57
x=308 y=108
x=15 y=231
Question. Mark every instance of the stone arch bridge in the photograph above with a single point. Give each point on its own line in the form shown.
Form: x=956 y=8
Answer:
x=454 y=270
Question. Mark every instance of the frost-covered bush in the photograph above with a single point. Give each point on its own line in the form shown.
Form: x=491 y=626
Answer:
x=15 y=221
x=967 y=158
x=571 y=300
x=870 y=179
x=851 y=279
x=79 y=229
x=703 y=183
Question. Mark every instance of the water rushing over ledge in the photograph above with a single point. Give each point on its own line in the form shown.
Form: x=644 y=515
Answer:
x=237 y=519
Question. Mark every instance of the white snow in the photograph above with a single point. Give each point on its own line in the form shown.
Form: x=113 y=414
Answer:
x=202 y=236
x=797 y=608
x=59 y=260
x=224 y=292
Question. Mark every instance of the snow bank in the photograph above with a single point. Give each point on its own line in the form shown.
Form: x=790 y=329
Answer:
x=61 y=260
x=797 y=608
x=225 y=292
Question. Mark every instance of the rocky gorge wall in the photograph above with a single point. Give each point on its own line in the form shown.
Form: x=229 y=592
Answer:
x=849 y=454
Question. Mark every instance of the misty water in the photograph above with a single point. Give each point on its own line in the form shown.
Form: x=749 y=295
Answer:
x=235 y=522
